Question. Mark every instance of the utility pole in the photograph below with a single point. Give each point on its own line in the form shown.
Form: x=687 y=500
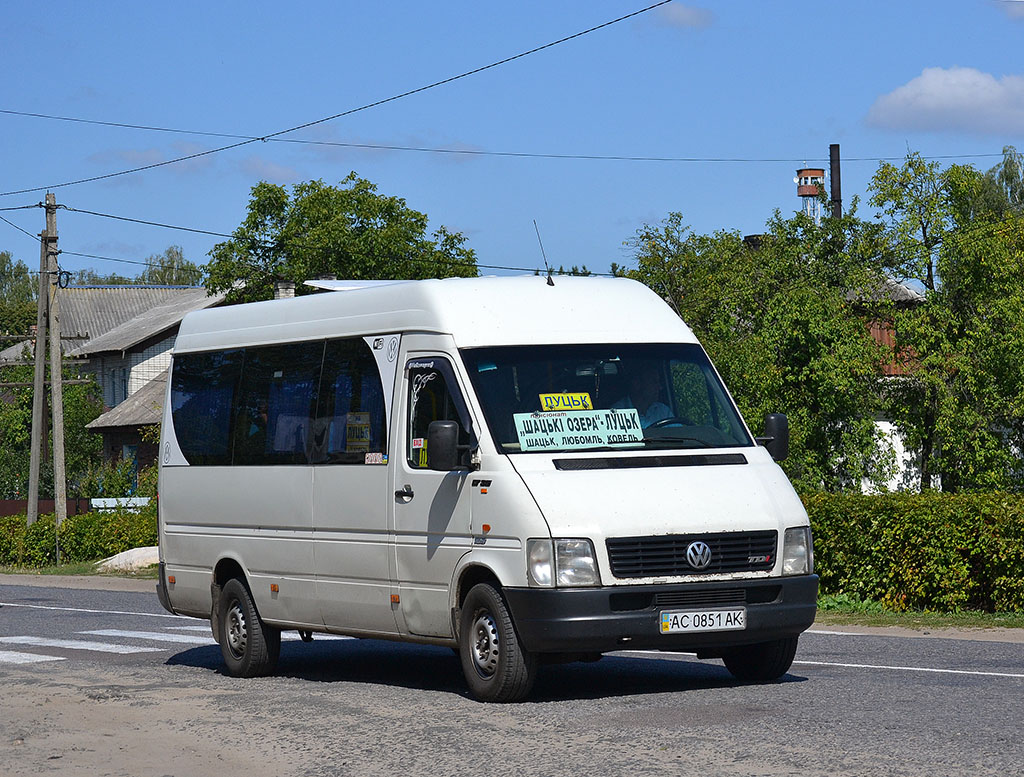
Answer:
x=56 y=369
x=39 y=382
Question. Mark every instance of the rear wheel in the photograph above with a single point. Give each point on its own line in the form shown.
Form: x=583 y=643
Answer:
x=762 y=662
x=250 y=647
x=496 y=666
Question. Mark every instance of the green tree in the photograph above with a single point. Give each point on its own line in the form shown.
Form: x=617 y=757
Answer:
x=17 y=297
x=89 y=277
x=82 y=403
x=781 y=320
x=349 y=231
x=171 y=268
x=960 y=236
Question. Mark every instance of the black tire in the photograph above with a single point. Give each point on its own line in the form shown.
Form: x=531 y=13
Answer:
x=496 y=666
x=763 y=662
x=249 y=646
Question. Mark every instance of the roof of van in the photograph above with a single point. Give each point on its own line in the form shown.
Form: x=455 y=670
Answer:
x=475 y=311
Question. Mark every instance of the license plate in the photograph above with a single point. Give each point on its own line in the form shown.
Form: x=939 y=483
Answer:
x=690 y=621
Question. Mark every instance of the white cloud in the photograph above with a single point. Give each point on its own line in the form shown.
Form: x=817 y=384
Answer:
x=1013 y=8
x=957 y=99
x=678 y=15
x=131 y=157
x=265 y=170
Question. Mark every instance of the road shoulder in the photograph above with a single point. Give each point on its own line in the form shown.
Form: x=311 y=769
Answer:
x=84 y=582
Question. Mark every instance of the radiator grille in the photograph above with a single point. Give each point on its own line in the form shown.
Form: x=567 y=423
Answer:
x=665 y=555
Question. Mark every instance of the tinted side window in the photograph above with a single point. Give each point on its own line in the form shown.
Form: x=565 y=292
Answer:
x=276 y=403
x=350 y=420
x=433 y=396
x=203 y=387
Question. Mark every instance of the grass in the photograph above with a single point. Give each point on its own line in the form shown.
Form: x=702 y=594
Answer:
x=844 y=610
x=79 y=568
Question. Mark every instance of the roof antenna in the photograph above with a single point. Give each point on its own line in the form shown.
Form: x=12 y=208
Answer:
x=546 y=265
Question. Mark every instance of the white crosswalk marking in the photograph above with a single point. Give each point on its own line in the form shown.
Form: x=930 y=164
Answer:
x=155 y=636
x=175 y=635
x=77 y=644
x=13 y=657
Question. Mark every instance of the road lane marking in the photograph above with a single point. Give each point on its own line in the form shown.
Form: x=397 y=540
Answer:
x=101 y=612
x=837 y=633
x=13 y=657
x=155 y=636
x=912 y=669
x=78 y=644
x=668 y=655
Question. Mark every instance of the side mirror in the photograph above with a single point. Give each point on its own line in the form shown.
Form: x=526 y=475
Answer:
x=776 y=435
x=443 y=446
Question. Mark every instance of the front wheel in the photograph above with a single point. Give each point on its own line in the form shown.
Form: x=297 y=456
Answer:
x=763 y=662
x=496 y=666
x=250 y=647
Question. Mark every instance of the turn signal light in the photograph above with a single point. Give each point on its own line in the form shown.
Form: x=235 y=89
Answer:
x=170 y=579
x=274 y=588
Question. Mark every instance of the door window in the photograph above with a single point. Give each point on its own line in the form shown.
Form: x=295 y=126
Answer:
x=433 y=396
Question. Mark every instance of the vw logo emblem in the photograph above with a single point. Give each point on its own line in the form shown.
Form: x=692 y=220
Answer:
x=698 y=554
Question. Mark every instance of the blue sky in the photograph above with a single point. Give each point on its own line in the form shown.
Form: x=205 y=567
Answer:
x=737 y=79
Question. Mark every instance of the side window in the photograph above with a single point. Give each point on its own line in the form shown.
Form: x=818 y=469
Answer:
x=276 y=403
x=203 y=389
x=433 y=396
x=351 y=421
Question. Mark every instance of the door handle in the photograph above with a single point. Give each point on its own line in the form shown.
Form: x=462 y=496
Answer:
x=405 y=493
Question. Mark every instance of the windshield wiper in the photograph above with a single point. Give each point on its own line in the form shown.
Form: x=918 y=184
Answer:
x=670 y=441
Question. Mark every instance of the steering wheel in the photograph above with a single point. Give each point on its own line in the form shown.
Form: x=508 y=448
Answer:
x=671 y=421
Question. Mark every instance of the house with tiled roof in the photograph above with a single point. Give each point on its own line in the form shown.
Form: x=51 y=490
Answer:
x=123 y=336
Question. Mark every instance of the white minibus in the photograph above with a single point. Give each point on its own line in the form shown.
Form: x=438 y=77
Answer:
x=522 y=471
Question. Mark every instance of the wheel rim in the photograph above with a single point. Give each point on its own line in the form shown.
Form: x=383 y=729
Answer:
x=485 y=644
x=237 y=632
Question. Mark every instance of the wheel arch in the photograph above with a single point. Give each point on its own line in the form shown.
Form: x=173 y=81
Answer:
x=225 y=569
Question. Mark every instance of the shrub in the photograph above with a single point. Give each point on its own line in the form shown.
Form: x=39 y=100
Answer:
x=932 y=551
x=85 y=537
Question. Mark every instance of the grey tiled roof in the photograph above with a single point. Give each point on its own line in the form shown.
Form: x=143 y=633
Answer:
x=91 y=311
x=94 y=312
x=146 y=324
x=140 y=409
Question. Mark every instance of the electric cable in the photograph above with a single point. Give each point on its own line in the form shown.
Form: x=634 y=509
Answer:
x=507 y=154
x=349 y=112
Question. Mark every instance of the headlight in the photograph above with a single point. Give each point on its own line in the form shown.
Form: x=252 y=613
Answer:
x=574 y=560
x=540 y=563
x=562 y=562
x=797 y=552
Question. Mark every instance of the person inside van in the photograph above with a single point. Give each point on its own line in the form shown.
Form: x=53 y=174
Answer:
x=644 y=386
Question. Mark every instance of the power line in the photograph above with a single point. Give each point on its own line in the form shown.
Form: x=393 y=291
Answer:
x=349 y=112
x=484 y=152
x=23 y=231
x=143 y=221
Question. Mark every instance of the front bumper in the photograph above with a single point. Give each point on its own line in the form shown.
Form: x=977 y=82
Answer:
x=569 y=620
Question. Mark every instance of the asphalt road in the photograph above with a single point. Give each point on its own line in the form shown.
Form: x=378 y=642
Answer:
x=145 y=695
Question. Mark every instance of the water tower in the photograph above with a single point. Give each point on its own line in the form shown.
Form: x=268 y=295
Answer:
x=810 y=183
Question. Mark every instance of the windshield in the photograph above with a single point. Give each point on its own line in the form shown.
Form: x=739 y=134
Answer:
x=641 y=396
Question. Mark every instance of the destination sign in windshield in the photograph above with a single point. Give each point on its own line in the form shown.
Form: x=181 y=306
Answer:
x=578 y=429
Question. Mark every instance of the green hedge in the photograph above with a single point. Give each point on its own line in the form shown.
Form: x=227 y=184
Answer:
x=84 y=537
x=922 y=551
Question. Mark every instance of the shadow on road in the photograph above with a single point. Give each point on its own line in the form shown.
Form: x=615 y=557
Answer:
x=423 y=667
